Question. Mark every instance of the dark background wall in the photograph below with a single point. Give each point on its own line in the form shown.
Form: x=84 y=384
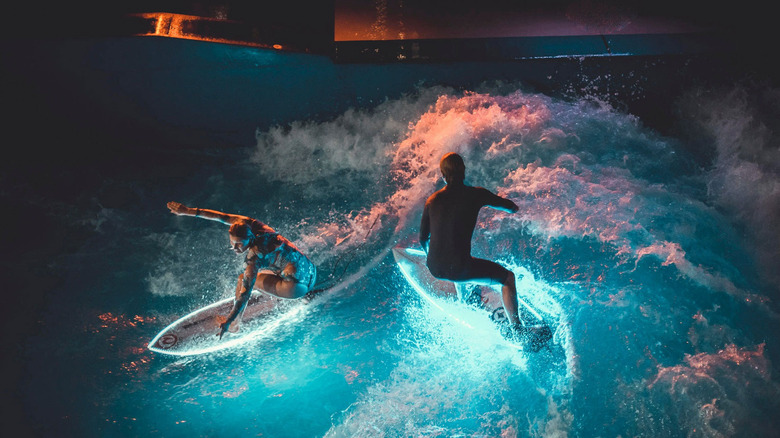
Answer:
x=314 y=20
x=82 y=92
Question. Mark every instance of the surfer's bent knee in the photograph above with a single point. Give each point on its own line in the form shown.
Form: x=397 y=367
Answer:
x=510 y=278
x=290 y=289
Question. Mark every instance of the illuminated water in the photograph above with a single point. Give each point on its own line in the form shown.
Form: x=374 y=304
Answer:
x=656 y=255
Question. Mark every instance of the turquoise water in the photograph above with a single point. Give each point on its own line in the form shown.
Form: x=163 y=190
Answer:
x=654 y=256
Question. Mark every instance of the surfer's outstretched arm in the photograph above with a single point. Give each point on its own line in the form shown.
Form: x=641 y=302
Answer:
x=502 y=204
x=214 y=215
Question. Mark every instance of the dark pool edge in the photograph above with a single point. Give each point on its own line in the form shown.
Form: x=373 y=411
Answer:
x=532 y=47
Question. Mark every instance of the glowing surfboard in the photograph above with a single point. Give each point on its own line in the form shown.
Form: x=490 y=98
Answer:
x=196 y=332
x=449 y=297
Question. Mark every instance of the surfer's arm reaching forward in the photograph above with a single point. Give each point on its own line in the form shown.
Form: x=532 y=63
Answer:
x=246 y=282
x=213 y=215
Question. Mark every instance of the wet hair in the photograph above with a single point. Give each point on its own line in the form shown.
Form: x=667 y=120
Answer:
x=452 y=167
x=241 y=230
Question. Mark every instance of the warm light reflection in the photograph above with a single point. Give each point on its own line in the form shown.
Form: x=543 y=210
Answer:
x=192 y=27
x=109 y=319
x=397 y=20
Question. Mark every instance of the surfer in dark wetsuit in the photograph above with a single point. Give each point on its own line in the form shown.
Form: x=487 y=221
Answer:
x=447 y=226
x=272 y=262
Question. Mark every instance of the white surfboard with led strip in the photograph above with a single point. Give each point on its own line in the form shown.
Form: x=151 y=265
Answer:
x=459 y=301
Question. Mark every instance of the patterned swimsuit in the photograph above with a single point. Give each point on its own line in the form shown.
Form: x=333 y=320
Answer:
x=276 y=260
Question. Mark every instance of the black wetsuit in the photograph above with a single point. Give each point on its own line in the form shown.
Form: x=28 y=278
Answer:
x=449 y=218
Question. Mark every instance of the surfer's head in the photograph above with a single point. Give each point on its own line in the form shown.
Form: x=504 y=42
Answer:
x=453 y=168
x=241 y=237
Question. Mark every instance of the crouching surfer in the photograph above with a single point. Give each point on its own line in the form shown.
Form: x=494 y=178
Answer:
x=448 y=222
x=274 y=265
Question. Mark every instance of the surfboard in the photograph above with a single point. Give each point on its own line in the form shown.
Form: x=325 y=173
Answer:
x=196 y=332
x=412 y=264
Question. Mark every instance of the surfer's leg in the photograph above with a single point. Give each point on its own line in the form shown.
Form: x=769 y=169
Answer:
x=278 y=286
x=490 y=273
x=509 y=295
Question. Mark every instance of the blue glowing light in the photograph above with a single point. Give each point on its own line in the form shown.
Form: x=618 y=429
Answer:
x=207 y=341
x=467 y=316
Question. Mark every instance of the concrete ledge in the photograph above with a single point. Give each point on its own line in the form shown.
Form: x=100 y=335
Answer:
x=669 y=44
x=519 y=48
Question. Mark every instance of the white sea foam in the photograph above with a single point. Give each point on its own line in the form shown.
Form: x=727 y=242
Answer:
x=744 y=177
x=618 y=237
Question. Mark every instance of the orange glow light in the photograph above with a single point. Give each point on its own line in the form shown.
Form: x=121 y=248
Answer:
x=184 y=27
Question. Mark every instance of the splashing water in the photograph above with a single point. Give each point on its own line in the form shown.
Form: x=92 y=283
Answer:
x=635 y=250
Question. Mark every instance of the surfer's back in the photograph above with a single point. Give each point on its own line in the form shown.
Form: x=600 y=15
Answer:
x=452 y=215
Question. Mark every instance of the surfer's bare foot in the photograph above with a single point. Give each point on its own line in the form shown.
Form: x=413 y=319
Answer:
x=539 y=336
x=512 y=332
x=534 y=337
x=311 y=295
